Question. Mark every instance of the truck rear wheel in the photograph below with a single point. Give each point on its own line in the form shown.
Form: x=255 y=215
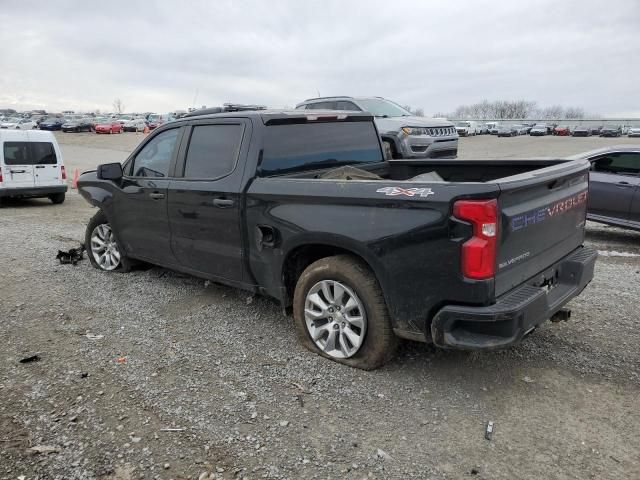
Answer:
x=340 y=313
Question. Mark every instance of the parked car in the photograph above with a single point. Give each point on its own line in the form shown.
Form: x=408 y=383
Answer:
x=506 y=131
x=520 y=129
x=19 y=123
x=581 y=131
x=614 y=185
x=634 y=131
x=493 y=128
x=124 y=119
x=156 y=120
x=483 y=129
x=538 y=131
x=111 y=125
x=404 y=135
x=596 y=130
x=77 y=125
x=611 y=131
x=467 y=128
x=562 y=131
x=135 y=125
x=31 y=165
x=281 y=212
x=51 y=123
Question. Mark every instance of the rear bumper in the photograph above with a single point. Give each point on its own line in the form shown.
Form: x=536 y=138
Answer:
x=32 y=191
x=516 y=313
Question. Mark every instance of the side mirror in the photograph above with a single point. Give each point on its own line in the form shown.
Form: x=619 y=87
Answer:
x=110 y=171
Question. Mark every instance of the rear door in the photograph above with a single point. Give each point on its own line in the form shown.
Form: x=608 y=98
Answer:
x=614 y=181
x=47 y=164
x=543 y=216
x=204 y=205
x=17 y=167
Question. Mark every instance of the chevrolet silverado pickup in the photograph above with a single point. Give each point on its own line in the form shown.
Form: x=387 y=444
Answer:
x=302 y=207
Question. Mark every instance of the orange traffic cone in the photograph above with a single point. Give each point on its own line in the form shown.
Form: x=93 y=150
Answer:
x=74 y=183
x=146 y=129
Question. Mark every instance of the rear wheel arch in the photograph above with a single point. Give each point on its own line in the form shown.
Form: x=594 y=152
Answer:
x=301 y=256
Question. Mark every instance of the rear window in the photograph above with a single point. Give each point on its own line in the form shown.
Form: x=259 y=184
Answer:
x=310 y=146
x=29 y=153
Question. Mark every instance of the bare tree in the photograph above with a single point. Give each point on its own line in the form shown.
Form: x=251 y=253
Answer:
x=418 y=112
x=572 y=113
x=513 y=109
x=118 y=106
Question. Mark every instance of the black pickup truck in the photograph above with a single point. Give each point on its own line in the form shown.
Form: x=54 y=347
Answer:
x=303 y=208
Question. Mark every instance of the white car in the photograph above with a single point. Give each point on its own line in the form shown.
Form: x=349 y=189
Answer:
x=467 y=128
x=31 y=165
x=633 y=132
x=19 y=123
x=135 y=125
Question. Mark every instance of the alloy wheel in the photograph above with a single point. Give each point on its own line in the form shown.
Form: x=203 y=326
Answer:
x=104 y=247
x=336 y=318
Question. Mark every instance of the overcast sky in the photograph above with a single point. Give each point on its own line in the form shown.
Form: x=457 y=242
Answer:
x=162 y=55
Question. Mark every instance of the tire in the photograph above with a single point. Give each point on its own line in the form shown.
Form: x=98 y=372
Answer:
x=377 y=340
x=57 y=198
x=125 y=263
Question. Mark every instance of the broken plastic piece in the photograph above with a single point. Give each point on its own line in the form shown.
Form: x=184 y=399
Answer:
x=489 y=431
x=72 y=256
x=31 y=359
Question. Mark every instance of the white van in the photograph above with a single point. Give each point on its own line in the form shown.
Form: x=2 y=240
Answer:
x=31 y=165
x=467 y=128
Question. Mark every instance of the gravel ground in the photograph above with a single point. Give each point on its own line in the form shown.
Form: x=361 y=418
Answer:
x=155 y=374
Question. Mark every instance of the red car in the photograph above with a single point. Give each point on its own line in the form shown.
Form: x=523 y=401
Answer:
x=108 y=126
x=562 y=131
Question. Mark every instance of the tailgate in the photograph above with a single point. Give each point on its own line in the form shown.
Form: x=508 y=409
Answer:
x=542 y=220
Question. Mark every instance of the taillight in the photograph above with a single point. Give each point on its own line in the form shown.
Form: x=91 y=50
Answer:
x=479 y=252
x=63 y=172
x=1 y=179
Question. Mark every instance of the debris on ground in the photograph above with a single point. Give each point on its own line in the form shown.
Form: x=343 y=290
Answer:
x=526 y=379
x=384 y=455
x=71 y=256
x=92 y=336
x=44 y=449
x=488 y=433
x=31 y=359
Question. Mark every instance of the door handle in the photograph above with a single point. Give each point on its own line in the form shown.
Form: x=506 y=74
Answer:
x=156 y=195
x=17 y=171
x=222 y=202
x=39 y=166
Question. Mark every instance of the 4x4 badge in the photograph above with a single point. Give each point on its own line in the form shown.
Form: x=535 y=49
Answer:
x=407 y=192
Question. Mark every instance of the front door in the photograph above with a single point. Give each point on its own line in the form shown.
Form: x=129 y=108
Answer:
x=140 y=216
x=204 y=204
x=612 y=184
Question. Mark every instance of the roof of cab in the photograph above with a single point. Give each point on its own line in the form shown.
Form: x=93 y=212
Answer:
x=7 y=135
x=268 y=116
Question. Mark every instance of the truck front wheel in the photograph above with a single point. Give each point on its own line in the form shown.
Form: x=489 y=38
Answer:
x=340 y=313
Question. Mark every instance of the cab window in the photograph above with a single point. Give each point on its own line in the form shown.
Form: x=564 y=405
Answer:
x=154 y=159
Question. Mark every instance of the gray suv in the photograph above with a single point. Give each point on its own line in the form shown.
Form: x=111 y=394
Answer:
x=404 y=135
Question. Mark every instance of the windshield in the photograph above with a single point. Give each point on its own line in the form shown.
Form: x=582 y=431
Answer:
x=14 y=120
x=155 y=117
x=382 y=108
x=463 y=124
